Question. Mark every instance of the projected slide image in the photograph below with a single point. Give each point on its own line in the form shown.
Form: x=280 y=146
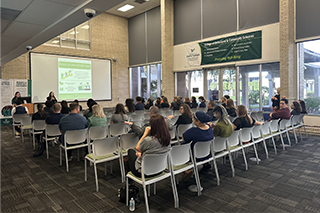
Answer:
x=75 y=79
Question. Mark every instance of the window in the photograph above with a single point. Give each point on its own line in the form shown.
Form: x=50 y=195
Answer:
x=229 y=83
x=78 y=37
x=309 y=75
x=213 y=84
x=270 y=83
x=145 y=81
x=196 y=83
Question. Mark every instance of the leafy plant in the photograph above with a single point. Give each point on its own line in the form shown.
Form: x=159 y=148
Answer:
x=313 y=105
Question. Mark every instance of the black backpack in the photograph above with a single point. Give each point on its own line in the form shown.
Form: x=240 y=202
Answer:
x=133 y=193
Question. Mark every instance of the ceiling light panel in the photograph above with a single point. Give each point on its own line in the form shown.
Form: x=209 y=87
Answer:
x=125 y=8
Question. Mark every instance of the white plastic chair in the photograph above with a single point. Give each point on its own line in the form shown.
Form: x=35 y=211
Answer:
x=293 y=124
x=51 y=133
x=301 y=124
x=267 y=134
x=153 y=164
x=257 y=137
x=117 y=129
x=96 y=132
x=103 y=151
x=73 y=139
x=26 y=124
x=201 y=149
x=173 y=133
x=283 y=129
x=234 y=145
x=246 y=136
x=181 y=129
x=16 y=121
x=38 y=126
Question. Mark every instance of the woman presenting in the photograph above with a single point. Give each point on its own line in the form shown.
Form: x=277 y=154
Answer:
x=52 y=98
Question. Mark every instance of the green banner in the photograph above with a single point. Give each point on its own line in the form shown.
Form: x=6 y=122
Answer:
x=234 y=48
x=74 y=65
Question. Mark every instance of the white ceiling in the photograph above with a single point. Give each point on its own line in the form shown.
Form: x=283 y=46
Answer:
x=33 y=22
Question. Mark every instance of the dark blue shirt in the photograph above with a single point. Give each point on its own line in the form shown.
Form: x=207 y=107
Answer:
x=54 y=119
x=73 y=121
x=202 y=105
x=196 y=134
x=20 y=110
x=139 y=106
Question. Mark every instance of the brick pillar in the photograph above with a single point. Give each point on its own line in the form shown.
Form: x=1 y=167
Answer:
x=288 y=79
x=167 y=48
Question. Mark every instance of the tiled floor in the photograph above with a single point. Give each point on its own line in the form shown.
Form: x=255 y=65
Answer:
x=286 y=182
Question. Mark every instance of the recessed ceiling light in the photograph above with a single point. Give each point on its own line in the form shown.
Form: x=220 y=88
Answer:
x=85 y=27
x=55 y=41
x=125 y=8
x=72 y=33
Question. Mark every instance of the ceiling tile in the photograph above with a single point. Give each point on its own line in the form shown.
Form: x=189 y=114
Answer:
x=15 y=4
x=43 y=12
x=12 y=41
x=5 y=49
x=70 y=2
x=4 y=24
x=22 y=30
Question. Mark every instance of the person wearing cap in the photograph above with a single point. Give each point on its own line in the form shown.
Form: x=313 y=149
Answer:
x=202 y=131
x=223 y=127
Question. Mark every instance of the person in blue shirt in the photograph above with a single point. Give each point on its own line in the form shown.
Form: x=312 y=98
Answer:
x=202 y=102
x=73 y=121
x=139 y=105
x=56 y=116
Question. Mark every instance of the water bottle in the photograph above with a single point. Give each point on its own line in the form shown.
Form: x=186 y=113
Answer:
x=132 y=206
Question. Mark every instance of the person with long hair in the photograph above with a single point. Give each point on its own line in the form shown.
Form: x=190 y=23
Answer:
x=129 y=105
x=187 y=101
x=185 y=117
x=149 y=103
x=155 y=140
x=230 y=108
x=98 y=117
x=88 y=113
x=223 y=101
x=64 y=107
x=16 y=96
x=51 y=97
x=39 y=115
x=194 y=103
x=202 y=102
x=158 y=102
x=119 y=115
x=165 y=102
x=303 y=107
x=296 y=108
x=244 y=120
x=223 y=127
x=176 y=103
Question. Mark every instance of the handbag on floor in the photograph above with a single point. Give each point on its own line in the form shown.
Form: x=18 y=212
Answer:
x=133 y=193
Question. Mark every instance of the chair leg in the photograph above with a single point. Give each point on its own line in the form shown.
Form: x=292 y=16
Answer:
x=47 y=149
x=283 y=146
x=197 y=179
x=105 y=168
x=174 y=191
x=300 y=133
x=127 y=191
x=21 y=135
x=295 y=135
x=265 y=148
x=60 y=155
x=244 y=158
x=96 y=176
x=305 y=130
x=67 y=162
x=274 y=145
x=216 y=171
x=85 y=170
x=154 y=188
x=33 y=141
x=231 y=164
x=146 y=198
x=149 y=190
x=256 y=153
x=122 y=169
x=288 y=138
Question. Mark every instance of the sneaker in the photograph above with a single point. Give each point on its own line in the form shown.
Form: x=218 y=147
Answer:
x=193 y=188
x=70 y=158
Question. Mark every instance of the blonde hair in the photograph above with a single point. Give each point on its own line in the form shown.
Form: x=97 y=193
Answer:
x=223 y=99
x=230 y=104
x=97 y=111
x=243 y=112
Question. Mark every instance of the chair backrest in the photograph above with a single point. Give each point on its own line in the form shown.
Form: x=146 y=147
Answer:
x=154 y=163
x=129 y=140
x=53 y=130
x=173 y=132
x=246 y=134
x=180 y=154
x=295 y=120
x=283 y=124
x=75 y=136
x=300 y=119
x=254 y=115
x=104 y=146
x=26 y=120
x=265 y=128
x=260 y=116
x=108 y=121
x=17 y=117
x=39 y=125
x=219 y=144
x=232 y=119
x=274 y=125
x=97 y=132
x=117 y=129
x=201 y=149
x=182 y=128
x=256 y=133
x=174 y=119
x=234 y=138
x=289 y=123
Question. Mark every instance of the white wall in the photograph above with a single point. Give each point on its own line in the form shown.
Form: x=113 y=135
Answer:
x=270 y=49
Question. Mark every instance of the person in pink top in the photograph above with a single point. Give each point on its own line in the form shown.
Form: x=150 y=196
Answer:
x=283 y=112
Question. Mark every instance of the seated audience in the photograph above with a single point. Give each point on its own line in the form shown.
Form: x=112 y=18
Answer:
x=155 y=140
x=185 y=117
x=76 y=101
x=202 y=102
x=175 y=105
x=194 y=103
x=223 y=127
x=88 y=113
x=55 y=118
x=39 y=115
x=140 y=130
x=19 y=109
x=296 y=109
x=72 y=121
x=165 y=103
x=149 y=103
x=120 y=115
x=98 y=117
x=223 y=102
x=64 y=107
x=244 y=120
x=187 y=101
x=303 y=107
x=129 y=105
x=211 y=104
x=139 y=105
x=231 y=109
x=283 y=112
x=158 y=102
x=48 y=107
